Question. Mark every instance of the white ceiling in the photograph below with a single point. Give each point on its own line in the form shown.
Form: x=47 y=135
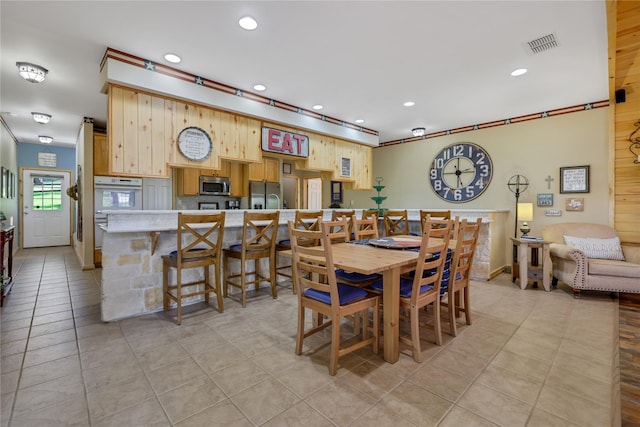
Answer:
x=360 y=59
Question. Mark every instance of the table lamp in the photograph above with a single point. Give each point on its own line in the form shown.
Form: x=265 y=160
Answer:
x=525 y=213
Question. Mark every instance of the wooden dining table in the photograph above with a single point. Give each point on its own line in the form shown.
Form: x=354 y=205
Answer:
x=391 y=263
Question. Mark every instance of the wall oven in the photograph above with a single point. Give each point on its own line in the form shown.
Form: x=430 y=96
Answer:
x=114 y=193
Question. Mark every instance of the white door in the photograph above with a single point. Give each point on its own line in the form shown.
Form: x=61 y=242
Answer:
x=156 y=194
x=46 y=208
x=314 y=193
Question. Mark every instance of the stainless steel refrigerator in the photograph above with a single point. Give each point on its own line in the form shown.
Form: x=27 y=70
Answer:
x=265 y=195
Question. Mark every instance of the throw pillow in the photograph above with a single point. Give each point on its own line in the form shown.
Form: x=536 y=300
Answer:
x=597 y=248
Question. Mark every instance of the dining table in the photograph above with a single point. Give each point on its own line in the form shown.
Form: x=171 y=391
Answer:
x=391 y=263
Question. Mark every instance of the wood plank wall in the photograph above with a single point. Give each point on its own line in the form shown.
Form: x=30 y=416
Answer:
x=624 y=57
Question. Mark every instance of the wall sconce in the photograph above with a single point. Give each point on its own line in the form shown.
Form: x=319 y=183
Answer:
x=525 y=213
x=635 y=143
x=31 y=72
x=41 y=117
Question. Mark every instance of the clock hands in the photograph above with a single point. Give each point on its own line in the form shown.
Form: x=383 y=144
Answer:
x=458 y=172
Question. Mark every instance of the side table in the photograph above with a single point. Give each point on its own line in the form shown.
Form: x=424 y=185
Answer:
x=537 y=268
x=6 y=274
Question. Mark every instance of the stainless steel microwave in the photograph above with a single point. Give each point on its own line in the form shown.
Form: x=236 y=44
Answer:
x=214 y=186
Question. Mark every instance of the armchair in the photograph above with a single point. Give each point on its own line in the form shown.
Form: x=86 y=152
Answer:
x=573 y=266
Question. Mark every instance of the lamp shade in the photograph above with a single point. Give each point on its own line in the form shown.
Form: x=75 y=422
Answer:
x=525 y=211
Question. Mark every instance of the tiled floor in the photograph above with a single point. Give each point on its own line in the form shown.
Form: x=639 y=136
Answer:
x=531 y=358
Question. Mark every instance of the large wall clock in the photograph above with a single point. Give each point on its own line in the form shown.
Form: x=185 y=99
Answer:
x=461 y=172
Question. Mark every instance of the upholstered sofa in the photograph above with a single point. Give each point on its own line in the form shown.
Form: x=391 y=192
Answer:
x=590 y=257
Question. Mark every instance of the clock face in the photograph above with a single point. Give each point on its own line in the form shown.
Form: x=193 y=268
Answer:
x=461 y=172
x=194 y=143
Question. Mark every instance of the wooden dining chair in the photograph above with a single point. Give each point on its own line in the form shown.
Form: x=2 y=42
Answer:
x=304 y=220
x=458 y=291
x=339 y=230
x=396 y=222
x=348 y=214
x=318 y=291
x=199 y=245
x=259 y=234
x=424 y=288
x=366 y=228
x=433 y=215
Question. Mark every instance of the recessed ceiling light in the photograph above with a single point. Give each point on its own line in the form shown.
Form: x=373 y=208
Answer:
x=41 y=117
x=409 y=104
x=359 y=121
x=45 y=139
x=31 y=72
x=173 y=58
x=518 y=72
x=317 y=107
x=248 y=23
x=259 y=87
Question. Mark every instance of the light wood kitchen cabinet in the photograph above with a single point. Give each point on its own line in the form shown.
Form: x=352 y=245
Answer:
x=188 y=182
x=236 y=178
x=100 y=155
x=268 y=170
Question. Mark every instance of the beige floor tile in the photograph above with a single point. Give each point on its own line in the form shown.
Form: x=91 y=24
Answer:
x=53 y=352
x=16 y=323
x=483 y=346
x=156 y=357
x=105 y=375
x=109 y=352
x=416 y=404
x=14 y=347
x=340 y=403
x=459 y=417
x=49 y=371
x=511 y=383
x=105 y=401
x=521 y=365
x=383 y=416
x=600 y=354
x=463 y=364
x=14 y=335
x=441 y=381
x=572 y=407
x=523 y=347
x=49 y=340
x=48 y=328
x=278 y=358
x=306 y=376
x=575 y=382
x=540 y=418
x=223 y=357
x=146 y=413
x=495 y=406
x=191 y=398
x=223 y=414
x=70 y=412
x=584 y=366
x=240 y=376
x=174 y=375
x=48 y=394
x=11 y=363
x=300 y=414
x=369 y=378
x=264 y=401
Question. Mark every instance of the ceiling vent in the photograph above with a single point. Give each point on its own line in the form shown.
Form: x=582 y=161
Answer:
x=542 y=43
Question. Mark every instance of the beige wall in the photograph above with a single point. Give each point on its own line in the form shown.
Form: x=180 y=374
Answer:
x=535 y=149
x=8 y=159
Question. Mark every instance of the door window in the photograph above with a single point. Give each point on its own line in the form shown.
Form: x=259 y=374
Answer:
x=47 y=193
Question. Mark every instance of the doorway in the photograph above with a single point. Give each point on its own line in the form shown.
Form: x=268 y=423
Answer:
x=46 y=209
x=313 y=189
x=290 y=193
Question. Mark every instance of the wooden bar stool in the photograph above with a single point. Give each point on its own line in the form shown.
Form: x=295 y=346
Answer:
x=396 y=222
x=259 y=234
x=200 y=240
x=304 y=220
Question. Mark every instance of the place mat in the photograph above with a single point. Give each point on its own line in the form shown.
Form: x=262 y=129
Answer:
x=395 y=242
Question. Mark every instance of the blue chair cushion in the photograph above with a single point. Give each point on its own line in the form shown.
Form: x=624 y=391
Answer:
x=406 y=287
x=286 y=242
x=356 y=277
x=238 y=247
x=174 y=254
x=346 y=294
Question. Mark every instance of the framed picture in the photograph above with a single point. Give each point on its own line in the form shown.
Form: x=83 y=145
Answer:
x=286 y=168
x=574 y=204
x=545 y=199
x=4 y=184
x=574 y=179
x=208 y=206
x=336 y=192
x=345 y=167
x=12 y=185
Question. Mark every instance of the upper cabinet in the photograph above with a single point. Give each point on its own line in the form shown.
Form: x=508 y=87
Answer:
x=143 y=131
x=100 y=155
x=268 y=170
